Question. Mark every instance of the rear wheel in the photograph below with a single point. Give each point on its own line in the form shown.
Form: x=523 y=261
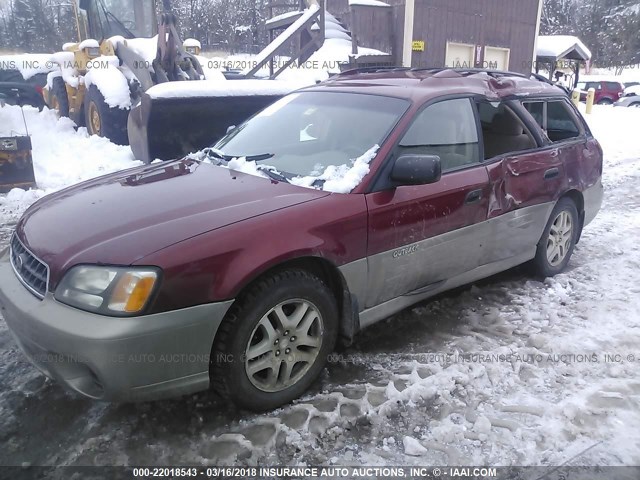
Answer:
x=605 y=101
x=274 y=341
x=558 y=240
x=58 y=99
x=102 y=120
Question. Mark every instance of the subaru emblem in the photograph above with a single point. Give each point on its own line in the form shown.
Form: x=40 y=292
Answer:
x=20 y=260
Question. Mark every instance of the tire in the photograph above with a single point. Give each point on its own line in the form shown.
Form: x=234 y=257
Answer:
x=635 y=105
x=605 y=101
x=104 y=121
x=58 y=97
x=552 y=255
x=244 y=333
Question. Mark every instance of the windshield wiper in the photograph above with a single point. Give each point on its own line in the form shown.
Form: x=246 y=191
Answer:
x=273 y=174
x=219 y=154
x=259 y=157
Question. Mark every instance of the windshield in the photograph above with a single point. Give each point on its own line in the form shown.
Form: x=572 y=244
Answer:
x=129 y=18
x=310 y=133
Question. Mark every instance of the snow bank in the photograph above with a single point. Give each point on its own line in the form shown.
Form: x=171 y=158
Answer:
x=226 y=88
x=61 y=155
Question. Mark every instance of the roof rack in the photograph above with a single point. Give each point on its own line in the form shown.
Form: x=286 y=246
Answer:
x=372 y=69
x=433 y=70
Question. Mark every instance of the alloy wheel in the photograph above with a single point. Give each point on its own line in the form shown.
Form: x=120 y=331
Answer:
x=560 y=238
x=284 y=345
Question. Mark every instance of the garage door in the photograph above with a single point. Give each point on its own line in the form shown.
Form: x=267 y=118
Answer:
x=459 y=55
x=496 y=58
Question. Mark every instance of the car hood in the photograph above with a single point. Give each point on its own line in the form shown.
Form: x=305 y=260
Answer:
x=123 y=217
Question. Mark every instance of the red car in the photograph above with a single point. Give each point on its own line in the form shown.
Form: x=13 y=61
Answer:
x=239 y=268
x=606 y=93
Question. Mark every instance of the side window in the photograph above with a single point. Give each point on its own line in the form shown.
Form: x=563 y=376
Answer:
x=560 y=122
x=502 y=130
x=554 y=118
x=447 y=129
x=613 y=86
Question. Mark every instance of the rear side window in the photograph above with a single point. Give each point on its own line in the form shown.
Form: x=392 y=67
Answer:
x=555 y=118
x=447 y=129
x=502 y=130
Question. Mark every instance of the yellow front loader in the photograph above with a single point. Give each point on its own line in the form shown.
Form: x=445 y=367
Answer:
x=122 y=51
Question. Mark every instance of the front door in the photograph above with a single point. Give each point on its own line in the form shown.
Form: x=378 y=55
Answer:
x=422 y=235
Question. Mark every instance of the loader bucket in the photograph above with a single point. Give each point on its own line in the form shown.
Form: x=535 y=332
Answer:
x=182 y=121
x=16 y=164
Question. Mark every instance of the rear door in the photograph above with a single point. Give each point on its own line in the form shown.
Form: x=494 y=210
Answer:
x=524 y=176
x=422 y=235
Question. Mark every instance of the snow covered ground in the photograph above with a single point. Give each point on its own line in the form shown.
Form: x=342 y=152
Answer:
x=510 y=371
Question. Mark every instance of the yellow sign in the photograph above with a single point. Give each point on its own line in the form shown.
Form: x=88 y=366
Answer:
x=418 y=46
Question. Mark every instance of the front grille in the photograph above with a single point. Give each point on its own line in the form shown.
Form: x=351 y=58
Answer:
x=33 y=273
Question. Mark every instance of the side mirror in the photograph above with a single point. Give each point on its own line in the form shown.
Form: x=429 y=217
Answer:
x=416 y=169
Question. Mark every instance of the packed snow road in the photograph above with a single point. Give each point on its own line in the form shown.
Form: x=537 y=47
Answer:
x=510 y=371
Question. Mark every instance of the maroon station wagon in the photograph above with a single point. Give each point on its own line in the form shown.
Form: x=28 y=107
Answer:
x=240 y=267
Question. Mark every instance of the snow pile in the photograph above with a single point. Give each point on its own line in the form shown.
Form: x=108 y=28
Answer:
x=242 y=165
x=108 y=78
x=28 y=64
x=88 y=43
x=191 y=42
x=342 y=178
x=61 y=155
x=223 y=88
x=65 y=62
x=557 y=46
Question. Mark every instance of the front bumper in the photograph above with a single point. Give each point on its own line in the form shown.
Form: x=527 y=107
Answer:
x=121 y=359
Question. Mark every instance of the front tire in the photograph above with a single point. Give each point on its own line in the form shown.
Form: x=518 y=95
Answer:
x=274 y=342
x=104 y=121
x=558 y=240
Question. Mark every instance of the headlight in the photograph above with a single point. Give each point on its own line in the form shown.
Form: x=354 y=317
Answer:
x=118 y=291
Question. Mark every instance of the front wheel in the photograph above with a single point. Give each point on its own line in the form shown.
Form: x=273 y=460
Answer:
x=103 y=120
x=274 y=341
x=558 y=240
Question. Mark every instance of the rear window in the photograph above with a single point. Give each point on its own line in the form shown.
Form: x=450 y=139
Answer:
x=555 y=118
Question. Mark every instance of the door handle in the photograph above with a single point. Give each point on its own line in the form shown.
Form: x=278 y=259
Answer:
x=553 y=153
x=473 y=196
x=551 y=173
